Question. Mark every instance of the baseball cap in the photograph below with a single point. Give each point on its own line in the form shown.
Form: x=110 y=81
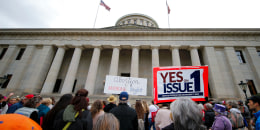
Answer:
x=29 y=96
x=255 y=99
x=123 y=96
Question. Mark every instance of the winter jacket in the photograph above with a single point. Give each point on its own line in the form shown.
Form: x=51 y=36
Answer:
x=236 y=119
x=29 y=112
x=257 y=123
x=109 y=106
x=14 y=107
x=209 y=118
x=221 y=123
x=83 y=122
x=127 y=117
x=43 y=110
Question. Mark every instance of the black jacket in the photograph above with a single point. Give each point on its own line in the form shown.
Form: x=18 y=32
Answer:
x=209 y=118
x=82 y=123
x=109 y=107
x=127 y=117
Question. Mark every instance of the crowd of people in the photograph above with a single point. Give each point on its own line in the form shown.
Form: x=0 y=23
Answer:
x=75 y=113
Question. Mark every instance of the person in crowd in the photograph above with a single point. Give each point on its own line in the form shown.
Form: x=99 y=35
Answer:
x=152 y=110
x=60 y=105
x=107 y=121
x=112 y=103
x=52 y=102
x=4 y=103
x=17 y=122
x=12 y=101
x=43 y=109
x=75 y=116
x=104 y=103
x=221 y=121
x=163 y=118
x=254 y=105
x=146 y=113
x=126 y=115
x=18 y=105
x=245 y=113
x=186 y=116
x=201 y=108
x=209 y=115
x=96 y=110
x=140 y=114
x=29 y=108
x=235 y=115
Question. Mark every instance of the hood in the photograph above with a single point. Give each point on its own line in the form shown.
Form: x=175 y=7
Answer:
x=69 y=113
x=235 y=110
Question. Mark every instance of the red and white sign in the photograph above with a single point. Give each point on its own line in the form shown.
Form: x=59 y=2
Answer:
x=171 y=83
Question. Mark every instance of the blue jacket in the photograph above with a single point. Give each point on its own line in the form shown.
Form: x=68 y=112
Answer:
x=14 y=107
x=257 y=123
x=43 y=110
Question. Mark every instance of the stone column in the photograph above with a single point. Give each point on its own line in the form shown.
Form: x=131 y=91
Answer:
x=54 y=71
x=114 y=61
x=176 y=56
x=215 y=78
x=21 y=68
x=38 y=69
x=135 y=62
x=155 y=56
x=235 y=70
x=92 y=73
x=8 y=58
x=254 y=61
x=72 y=71
x=195 y=59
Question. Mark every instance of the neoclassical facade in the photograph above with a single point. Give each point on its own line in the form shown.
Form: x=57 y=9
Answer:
x=59 y=61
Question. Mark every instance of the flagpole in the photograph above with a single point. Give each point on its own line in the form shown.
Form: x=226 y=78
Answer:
x=96 y=15
x=168 y=14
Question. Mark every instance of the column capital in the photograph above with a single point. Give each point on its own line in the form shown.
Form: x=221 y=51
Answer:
x=175 y=46
x=97 y=46
x=194 y=47
x=61 y=46
x=155 y=47
x=118 y=47
x=137 y=47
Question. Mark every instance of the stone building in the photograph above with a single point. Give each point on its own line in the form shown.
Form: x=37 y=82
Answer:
x=58 y=61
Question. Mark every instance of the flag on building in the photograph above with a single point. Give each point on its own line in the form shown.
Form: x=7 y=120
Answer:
x=103 y=4
x=169 y=10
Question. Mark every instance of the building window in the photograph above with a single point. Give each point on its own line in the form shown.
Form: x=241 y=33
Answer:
x=258 y=52
x=129 y=21
x=20 y=54
x=141 y=22
x=240 y=56
x=3 y=53
x=147 y=23
x=135 y=21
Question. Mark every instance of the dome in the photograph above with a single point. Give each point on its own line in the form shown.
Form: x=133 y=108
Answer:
x=136 y=19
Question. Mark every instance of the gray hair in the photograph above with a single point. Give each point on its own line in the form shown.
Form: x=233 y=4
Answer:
x=186 y=115
x=107 y=121
x=232 y=103
x=209 y=106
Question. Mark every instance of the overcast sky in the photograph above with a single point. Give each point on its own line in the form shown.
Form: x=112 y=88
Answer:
x=82 y=13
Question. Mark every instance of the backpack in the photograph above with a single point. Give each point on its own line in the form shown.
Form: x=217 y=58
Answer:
x=153 y=114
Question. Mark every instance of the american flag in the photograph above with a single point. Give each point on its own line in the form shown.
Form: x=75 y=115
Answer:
x=169 y=10
x=103 y=4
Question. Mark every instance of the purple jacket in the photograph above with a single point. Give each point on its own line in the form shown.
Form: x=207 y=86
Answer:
x=221 y=123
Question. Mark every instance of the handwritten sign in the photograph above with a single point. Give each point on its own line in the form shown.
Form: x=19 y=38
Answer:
x=171 y=83
x=117 y=84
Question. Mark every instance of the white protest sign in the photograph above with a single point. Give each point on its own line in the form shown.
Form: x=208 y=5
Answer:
x=117 y=84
